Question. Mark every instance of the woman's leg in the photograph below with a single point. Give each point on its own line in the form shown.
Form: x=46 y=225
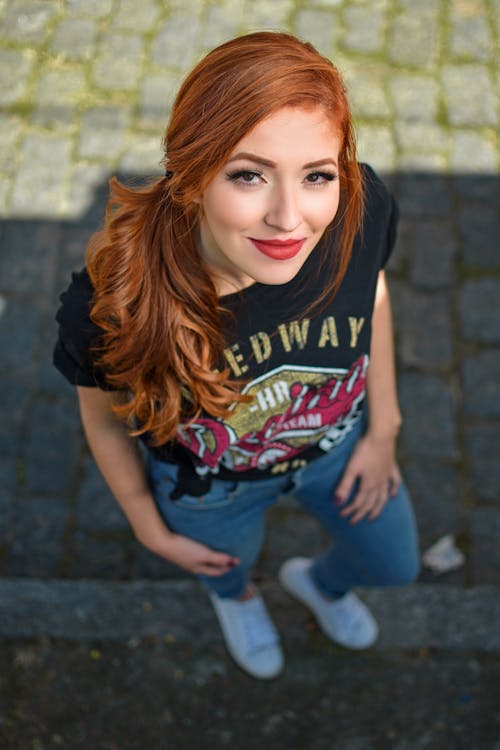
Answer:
x=381 y=552
x=229 y=518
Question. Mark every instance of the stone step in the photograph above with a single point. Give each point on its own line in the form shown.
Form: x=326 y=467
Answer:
x=414 y=617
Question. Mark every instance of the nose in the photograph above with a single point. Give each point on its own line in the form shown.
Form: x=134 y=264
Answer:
x=284 y=210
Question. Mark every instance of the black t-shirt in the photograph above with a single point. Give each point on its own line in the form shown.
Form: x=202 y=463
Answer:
x=306 y=373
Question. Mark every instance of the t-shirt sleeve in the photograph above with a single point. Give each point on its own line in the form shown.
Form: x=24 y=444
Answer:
x=77 y=335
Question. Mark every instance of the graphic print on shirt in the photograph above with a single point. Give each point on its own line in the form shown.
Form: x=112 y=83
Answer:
x=293 y=408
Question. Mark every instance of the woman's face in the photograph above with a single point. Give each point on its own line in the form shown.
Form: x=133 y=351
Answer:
x=265 y=211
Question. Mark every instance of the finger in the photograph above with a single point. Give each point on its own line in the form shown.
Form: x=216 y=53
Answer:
x=344 y=488
x=221 y=558
x=395 y=480
x=362 y=503
x=379 y=505
x=365 y=509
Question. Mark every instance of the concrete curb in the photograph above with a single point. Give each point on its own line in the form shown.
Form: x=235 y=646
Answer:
x=414 y=617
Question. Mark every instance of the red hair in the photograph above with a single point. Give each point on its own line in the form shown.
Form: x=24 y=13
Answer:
x=154 y=298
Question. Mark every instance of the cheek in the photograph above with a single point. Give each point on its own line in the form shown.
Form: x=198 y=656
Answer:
x=231 y=211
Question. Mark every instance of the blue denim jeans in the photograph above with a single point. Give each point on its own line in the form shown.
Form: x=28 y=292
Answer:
x=231 y=518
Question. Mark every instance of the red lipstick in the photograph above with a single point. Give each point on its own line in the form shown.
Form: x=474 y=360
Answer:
x=279 y=249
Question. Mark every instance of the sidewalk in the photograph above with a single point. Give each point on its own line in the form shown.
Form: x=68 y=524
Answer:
x=95 y=629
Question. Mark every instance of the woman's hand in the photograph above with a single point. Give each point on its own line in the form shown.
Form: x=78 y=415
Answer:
x=373 y=463
x=193 y=556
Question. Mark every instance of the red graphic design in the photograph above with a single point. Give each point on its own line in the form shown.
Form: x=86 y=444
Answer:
x=313 y=413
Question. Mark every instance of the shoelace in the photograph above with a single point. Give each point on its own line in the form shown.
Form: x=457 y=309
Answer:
x=258 y=628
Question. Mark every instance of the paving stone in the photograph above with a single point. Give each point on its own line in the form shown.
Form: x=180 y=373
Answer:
x=423 y=326
x=56 y=96
x=480 y=310
x=40 y=187
x=364 y=29
x=495 y=11
x=85 y=181
x=102 y=134
x=221 y=22
x=15 y=71
x=479 y=229
x=11 y=130
x=469 y=33
x=97 y=510
x=96 y=8
x=143 y=156
x=52 y=447
x=485 y=530
x=130 y=15
x=424 y=195
x=74 y=39
x=19 y=326
x=366 y=94
x=320 y=28
x=6 y=514
x=272 y=15
x=479 y=107
x=376 y=146
x=176 y=44
x=118 y=62
x=98 y=558
x=158 y=93
x=27 y=261
x=432 y=250
x=473 y=153
x=421 y=137
x=428 y=428
x=481 y=381
x=414 y=36
x=437 y=495
x=415 y=97
x=422 y=162
x=37 y=547
x=28 y=20
x=483 y=447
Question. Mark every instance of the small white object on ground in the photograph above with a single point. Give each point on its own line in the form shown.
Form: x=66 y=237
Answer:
x=443 y=555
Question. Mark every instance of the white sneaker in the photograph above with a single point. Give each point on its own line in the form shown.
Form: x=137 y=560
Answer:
x=346 y=620
x=250 y=635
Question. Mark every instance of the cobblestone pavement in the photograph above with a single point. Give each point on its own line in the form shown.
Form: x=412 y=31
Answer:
x=85 y=89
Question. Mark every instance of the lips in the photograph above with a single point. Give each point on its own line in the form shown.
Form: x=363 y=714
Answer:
x=279 y=249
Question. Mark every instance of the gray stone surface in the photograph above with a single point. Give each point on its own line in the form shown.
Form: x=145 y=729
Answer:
x=473 y=152
x=432 y=250
x=103 y=132
x=414 y=36
x=15 y=70
x=320 y=27
x=483 y=447
x=36 y=548
x=485 y=530
x=424 y=194
x=479 y=107
x=415 y=97
x=28 y=20
x=481 y=383
x=175 y=42
x=134 y=16
x=56 y=96
x=118 y=62
x=74 y=38
x=479 y=229
x=428 y=428
x=40 y=183
x=470 y=35
x=479 y=310
x=364 y=29
x=436 y=491
x=423 y=326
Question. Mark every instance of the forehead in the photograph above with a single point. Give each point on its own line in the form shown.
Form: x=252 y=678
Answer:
x=290 y=132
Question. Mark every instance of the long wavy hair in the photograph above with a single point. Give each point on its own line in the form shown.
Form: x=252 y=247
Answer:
x=153 y=296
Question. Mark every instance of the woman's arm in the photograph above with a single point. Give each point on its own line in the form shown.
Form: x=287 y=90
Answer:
x=118 y=458
x=373 y=461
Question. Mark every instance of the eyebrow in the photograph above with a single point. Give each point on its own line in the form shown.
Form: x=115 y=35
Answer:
x=269 y=163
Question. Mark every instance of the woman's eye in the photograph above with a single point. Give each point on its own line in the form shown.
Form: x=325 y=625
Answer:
x=245 y=177
x=320 y=178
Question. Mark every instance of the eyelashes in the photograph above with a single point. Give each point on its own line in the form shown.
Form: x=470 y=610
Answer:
x=251 y=177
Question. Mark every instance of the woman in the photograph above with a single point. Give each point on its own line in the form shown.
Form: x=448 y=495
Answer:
x=226 y=316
